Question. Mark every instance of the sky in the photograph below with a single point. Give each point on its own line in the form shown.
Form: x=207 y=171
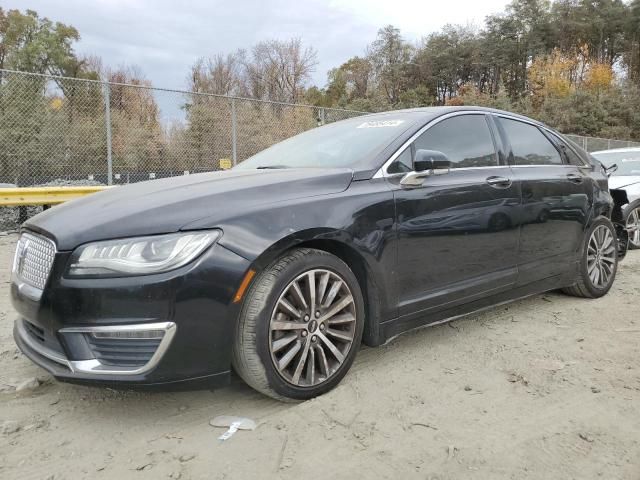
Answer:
x=164 y=38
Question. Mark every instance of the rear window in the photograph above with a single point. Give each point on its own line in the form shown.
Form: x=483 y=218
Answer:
x=529 y=145
x=568 y=150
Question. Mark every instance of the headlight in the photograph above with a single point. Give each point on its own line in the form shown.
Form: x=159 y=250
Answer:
x=141 y=255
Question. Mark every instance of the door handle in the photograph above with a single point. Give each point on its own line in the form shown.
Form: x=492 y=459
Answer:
x=574 y=177
x=499 y=182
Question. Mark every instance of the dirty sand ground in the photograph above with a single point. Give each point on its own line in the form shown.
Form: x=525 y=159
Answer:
x=545 y=388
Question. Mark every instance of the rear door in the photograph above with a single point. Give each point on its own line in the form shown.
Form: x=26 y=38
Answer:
x=457 y=233
x=557 y=198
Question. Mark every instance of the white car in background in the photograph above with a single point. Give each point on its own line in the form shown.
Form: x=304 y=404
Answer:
x=627 y=178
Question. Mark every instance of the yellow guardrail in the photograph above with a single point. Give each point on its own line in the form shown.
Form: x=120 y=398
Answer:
x=26 y=196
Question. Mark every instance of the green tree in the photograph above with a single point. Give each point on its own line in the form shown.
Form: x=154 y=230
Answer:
x=46 y=127
x=515 y=38
x=390 y=55
x=30 y=43
x=631 y=55
x=350 y=81
x=450 y=58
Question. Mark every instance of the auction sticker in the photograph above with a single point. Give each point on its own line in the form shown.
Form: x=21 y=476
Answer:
x=381 y=124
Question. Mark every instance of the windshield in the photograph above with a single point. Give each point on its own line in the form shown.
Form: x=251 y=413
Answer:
x=348 y=143
x=628 y=162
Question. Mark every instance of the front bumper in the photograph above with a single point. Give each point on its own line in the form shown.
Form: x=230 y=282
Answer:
x=139 y=357
x=159 y=329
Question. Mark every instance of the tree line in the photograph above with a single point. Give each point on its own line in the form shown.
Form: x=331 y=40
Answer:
x=574 y=64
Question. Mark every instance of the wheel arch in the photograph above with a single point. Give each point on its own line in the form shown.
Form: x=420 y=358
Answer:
x=336 y=243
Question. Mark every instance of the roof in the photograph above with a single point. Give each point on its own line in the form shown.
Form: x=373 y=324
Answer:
x=426 y=113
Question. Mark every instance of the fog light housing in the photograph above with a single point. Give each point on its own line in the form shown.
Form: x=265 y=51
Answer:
x=118 y=349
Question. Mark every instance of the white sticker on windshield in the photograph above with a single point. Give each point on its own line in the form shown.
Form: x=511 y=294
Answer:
x=381 y=124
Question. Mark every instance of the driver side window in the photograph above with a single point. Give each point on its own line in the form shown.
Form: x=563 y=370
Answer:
x=466 y=140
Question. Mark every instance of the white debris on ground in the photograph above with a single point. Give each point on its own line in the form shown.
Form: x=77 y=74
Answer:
x=553 y=392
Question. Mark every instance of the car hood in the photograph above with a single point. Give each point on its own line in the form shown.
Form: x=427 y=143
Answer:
x=167 y=205
x=621 y=181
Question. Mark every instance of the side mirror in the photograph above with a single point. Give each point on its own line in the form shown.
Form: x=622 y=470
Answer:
x=431 y=160
x=611 y=169
x=425 y=164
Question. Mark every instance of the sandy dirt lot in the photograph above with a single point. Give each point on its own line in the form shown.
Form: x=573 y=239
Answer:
x=545 y=388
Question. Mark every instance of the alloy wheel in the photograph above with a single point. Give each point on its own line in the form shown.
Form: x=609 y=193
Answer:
x=312 y=328
x=633 y=227
x=601 y=256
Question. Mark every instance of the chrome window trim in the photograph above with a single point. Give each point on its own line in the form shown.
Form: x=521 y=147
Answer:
x=382 y=171
x=94 y=366
x=518 y=119
x=544 y=165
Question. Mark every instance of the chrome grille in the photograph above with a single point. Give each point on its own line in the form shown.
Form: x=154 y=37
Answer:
x=34 y=259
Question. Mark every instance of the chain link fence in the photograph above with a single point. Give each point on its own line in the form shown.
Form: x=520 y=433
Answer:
x=66 y=131
x=595 y=144
x=57 y=130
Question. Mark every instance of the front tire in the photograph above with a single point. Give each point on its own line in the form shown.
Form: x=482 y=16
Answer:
x=598 y=262
x=300 y=326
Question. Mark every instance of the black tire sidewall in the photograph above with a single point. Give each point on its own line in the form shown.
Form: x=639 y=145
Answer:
x=625 y=215
x=593 y=290
x=311 y=260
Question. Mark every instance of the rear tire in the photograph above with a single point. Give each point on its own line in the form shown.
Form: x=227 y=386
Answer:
x=290 y=343
x=598 y=261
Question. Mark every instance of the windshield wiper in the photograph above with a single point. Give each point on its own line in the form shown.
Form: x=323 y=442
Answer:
x=270 y=167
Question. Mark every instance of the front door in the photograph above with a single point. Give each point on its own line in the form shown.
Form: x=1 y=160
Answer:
x=457 y=232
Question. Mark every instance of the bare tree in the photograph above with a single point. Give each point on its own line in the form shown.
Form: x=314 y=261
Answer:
x=279 y=70
x=272 y=70
x=220 y=75
x=134 y=102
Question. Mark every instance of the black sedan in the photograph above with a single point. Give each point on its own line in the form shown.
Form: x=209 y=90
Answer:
x=279 y=268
